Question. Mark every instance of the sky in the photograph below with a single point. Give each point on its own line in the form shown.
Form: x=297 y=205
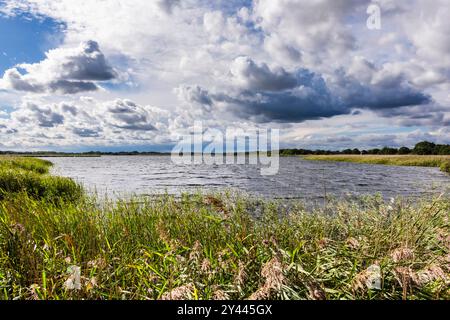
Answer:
x=136 y=75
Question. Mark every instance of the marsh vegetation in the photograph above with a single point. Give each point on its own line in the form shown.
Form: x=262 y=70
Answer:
x=442 y=162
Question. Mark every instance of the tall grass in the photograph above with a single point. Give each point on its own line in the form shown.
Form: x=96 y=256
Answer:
x=442 y=162
x=28 y=164
x=31 y=176
x=222 y=246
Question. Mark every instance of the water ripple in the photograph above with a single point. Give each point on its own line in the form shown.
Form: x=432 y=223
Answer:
x=297 y=178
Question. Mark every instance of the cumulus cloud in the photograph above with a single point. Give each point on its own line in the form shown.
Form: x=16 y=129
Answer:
x=315 y=28
x=259 y=77
x=264 y=95
x=126 y=114
x=85 y=121
x=295 y=106
x=42 y=116
x=195 y=95
x=64 y=71
x=432 y=115
x=383 y=91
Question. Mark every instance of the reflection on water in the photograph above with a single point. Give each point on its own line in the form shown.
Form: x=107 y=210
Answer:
x=297 y=178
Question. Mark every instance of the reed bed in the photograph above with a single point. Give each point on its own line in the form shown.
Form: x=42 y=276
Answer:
x=442 y=162
x=222 y=246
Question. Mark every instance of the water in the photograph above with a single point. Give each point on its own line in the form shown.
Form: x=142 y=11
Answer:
x=297 y=179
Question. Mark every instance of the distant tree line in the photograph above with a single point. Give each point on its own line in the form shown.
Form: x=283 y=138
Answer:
x=79 y=154
x=421 y=148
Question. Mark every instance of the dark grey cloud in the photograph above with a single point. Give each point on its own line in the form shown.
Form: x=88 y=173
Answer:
x=264 y=95
x=71 y=87
x=261 y=77
x=388 y=93
x=306 y=103
x=89 y=65
x=431 y=114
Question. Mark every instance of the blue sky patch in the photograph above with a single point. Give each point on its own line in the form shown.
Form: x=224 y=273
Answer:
x=25 y=39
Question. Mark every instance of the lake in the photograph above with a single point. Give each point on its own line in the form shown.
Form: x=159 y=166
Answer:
x=120 y=176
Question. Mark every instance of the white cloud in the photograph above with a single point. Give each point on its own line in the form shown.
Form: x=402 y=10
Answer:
x=429 y=31
x=126 y=114
x=64 y=71
x=42 y=116
x=317 y=29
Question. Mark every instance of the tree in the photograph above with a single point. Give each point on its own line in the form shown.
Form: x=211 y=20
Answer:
x=404 y=150
x=388 y=151
x=424 y=147
x=442 y=149
x=374 y=151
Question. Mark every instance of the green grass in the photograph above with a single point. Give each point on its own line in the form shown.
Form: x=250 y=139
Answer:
x=222 y=246
x=28 y=164
x=445 y=166
x=31 y=176
x=442 y=162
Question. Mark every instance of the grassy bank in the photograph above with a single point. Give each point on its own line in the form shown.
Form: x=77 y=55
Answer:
x=31 y=176
x=442 y=162
x=221 y=247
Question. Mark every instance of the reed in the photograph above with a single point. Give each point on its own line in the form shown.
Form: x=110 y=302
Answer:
x=442 y=162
